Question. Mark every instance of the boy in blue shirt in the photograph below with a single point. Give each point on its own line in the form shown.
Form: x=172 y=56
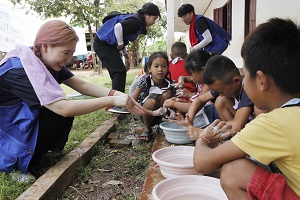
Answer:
x=227 y=90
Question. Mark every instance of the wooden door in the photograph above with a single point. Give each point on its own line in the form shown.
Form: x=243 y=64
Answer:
x=250 y=16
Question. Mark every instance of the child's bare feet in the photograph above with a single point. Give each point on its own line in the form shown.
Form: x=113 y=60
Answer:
x=158 y=112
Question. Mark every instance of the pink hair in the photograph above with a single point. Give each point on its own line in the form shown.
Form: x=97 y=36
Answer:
x=54 y=33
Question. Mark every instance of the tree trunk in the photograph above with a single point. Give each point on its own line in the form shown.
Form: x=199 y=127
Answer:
x=134 y=53
x=96 y=62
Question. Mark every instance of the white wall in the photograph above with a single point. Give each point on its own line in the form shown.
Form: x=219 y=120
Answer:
x=238 y=18
x=277 y=8
x=170 y=28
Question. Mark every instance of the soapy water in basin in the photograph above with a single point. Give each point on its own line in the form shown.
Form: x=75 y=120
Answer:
x=179 y=159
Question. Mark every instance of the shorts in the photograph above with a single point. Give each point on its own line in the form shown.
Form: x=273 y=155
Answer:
x=202 y=120
x=265 y=185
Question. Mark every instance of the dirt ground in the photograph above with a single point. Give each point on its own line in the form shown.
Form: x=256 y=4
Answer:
x=114 y=173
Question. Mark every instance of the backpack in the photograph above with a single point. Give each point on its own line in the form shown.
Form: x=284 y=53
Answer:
x=111 y=15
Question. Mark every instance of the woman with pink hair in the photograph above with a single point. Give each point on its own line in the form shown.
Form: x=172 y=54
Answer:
x=35 y=115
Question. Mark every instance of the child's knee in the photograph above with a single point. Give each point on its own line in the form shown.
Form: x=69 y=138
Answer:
x=150 y=104
x=166 y=95
x=228 y=174
x=222 y=102
x=236 y=172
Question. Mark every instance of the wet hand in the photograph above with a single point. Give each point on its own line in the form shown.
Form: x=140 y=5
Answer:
x=158 y=112
x=168 y=103
x=177 y=85
x=192 y=131
x=216 y=133
x=181 y=120
x=183 y=93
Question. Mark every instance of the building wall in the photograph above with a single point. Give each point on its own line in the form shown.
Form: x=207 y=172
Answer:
x=276 y=8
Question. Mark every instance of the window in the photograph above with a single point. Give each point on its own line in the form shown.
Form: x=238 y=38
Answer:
x=250 y=16
x=222 y=16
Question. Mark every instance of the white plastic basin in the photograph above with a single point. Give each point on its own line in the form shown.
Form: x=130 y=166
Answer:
x=76 y=95
x=189 y=187
x=175 y=161
x=175 y=133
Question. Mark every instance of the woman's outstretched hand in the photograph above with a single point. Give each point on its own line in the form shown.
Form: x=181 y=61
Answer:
x=130 y=104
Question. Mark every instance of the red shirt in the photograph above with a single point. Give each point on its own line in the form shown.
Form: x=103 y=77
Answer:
x=177 y=69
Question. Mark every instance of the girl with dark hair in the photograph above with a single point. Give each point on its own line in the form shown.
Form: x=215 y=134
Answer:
x=115 y=33
x=153 y=90
x=195 y=65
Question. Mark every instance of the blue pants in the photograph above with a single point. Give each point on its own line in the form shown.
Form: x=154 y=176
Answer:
x=53 y=134
x=211 y=115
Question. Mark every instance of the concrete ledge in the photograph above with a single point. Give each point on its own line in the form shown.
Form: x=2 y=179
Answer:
x=153 y=175
x=54 y=182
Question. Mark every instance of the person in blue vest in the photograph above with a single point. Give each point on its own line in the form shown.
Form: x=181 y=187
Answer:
x=35 y=115
x=115 y=33
x=203 y=32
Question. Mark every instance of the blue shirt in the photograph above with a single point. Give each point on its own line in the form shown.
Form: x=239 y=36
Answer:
x=242 y=99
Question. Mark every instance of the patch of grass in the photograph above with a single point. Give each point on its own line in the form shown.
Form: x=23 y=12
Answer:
x=82 y=127
x=84 y=172
x=130 y=197
x=135 y=164
x=10 y=189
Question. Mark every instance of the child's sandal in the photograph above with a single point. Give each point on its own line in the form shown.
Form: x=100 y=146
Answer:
x=146 y=137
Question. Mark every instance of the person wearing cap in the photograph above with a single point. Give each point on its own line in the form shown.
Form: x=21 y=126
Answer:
x=115 y=33
x=203 y=32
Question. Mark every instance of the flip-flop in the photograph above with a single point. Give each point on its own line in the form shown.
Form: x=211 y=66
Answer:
x=146 y=137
